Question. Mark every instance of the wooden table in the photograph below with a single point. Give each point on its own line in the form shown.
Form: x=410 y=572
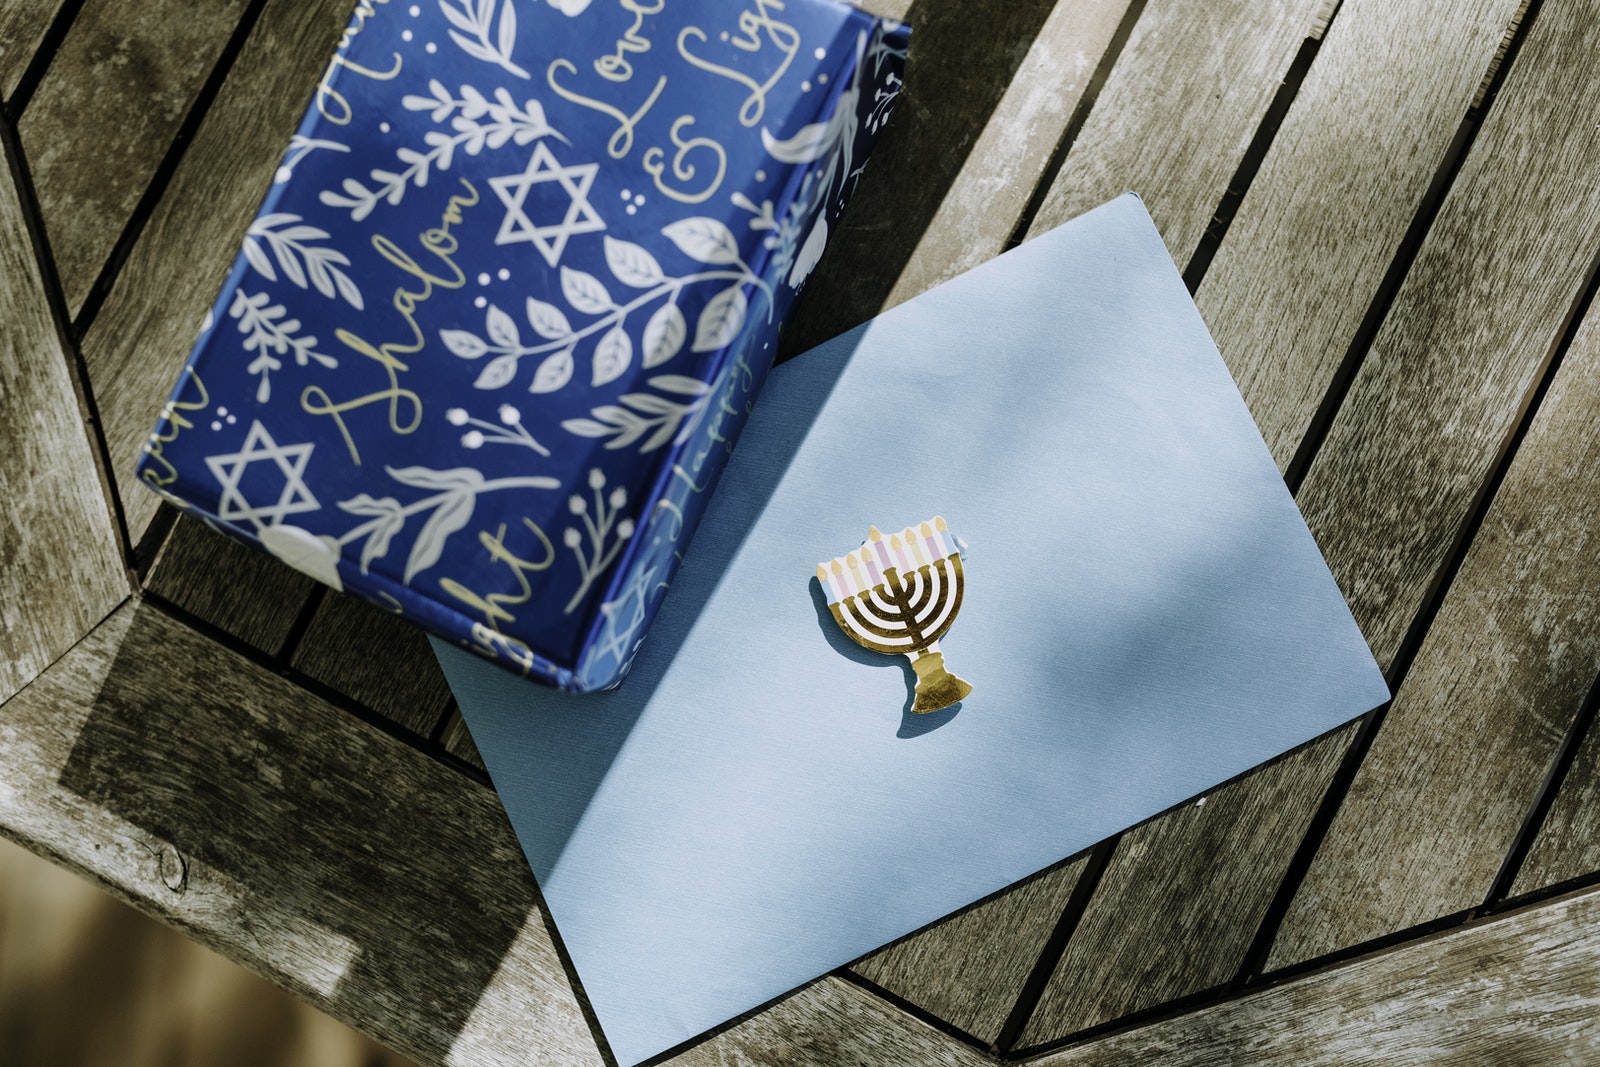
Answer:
x=1390 y=216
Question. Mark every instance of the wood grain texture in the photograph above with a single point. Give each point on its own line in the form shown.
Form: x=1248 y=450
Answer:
x=240 y=590
x=1568 y=844
x=61 y=568
x=965 y=53
x=336 y=861
x=1521 y=991
x=1375 y=113
x=377 y=659
x=831 y=1023
x=1461 y=756
x=457 y=740
x=984 y=202
x=138 y=341
x=1179 y=111
x=1183 y=896
x=23 y=24
x=105 y=115
x=969 y=970
x=1371 y=124
x=1471 y=329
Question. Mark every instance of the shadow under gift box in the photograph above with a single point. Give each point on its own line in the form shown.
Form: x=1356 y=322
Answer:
x=492 y=335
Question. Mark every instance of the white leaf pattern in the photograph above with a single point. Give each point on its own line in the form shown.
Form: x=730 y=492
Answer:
x=664 y=335
x=497 y=372
x=612 y=356
x=502 y=329
x=720 y=321
x=554 y=373
x=454 y=513
x=464 y=344
x=585 y=292
x=705 y=239
x=547 y=320
x=632 y=264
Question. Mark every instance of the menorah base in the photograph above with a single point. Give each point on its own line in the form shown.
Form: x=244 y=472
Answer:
x=937 y=688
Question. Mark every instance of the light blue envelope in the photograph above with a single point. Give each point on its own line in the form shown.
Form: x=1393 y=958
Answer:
x=1145 y=616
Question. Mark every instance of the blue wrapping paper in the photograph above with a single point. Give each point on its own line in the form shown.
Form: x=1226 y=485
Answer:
x=501 y=317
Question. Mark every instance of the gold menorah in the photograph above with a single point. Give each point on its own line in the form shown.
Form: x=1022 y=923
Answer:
x=899 y=597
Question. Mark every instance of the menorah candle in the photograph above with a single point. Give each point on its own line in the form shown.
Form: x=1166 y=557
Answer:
x=872 y=566
x=878 y=546
x=946 y=539
x=857 y=579
x=828 y=587
x=897 y=548
x=919 y=558
x=838 y=579
x=926 y=530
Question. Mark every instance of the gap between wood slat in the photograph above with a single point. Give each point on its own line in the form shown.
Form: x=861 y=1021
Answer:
x=1050 y=955
x=323 y=692
x=1080 y=115
x=157 y=186
x=1427 y=211
x=1545 y=798
x=12 y=157
x=1413 y=641
x=1250 y=163
x=148 y=550
x=48 y=45
x=1492 y=75
x=302 y=624
x=922 y=1015
x=1383 y=300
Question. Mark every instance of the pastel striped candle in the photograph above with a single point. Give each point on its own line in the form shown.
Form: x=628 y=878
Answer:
x=873 y=573
x=878 y=546
x=827 y=587
x=898 y=551
x=913 y=544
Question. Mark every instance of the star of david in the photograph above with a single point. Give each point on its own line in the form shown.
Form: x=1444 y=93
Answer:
x=291 y=460
x=551 y=238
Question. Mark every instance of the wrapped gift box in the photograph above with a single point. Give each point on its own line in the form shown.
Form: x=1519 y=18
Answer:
x=502 y=315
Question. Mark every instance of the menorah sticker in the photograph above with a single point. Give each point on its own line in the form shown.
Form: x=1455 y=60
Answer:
x=899 y=597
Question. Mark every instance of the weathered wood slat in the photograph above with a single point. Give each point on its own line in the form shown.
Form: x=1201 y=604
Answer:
x=956 y=78
x=1524 y=989
x=1371 y=124
x=61 y=568
x=1440 y=798
x=969 y=970
x=1472 y=326
x=139 y=339
x=830 y=1024
x=1179 y=111
x=1568 y=844
x=334 y=860
x=376 y=659
x=986 y=199
x=105 y=114
x=1394 y=81
x=23 y=25
x=1176 y=911
x=242 y=592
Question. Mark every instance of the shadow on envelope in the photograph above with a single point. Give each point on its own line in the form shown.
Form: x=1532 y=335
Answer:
x=599 y=723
